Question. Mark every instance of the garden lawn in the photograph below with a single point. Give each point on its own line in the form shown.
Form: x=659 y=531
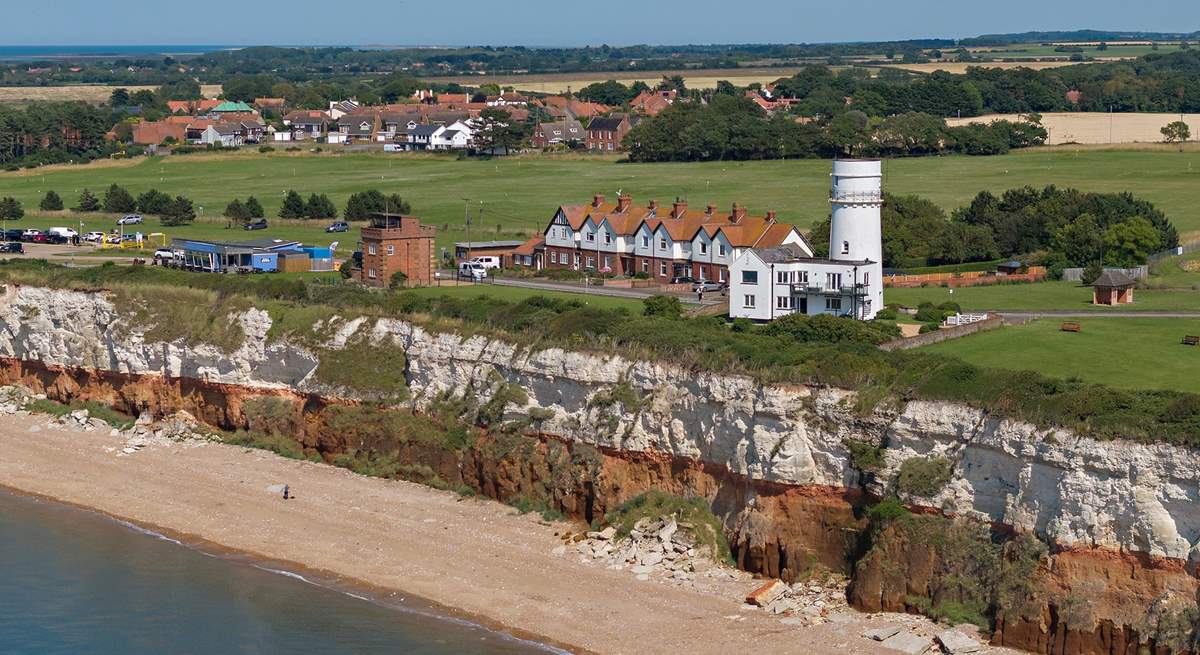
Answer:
x=520 y=194
x=1043 y=296
x=1132 y=353
x=517 y=294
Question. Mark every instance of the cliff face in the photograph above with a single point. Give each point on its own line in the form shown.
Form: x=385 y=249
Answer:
x=774 y=459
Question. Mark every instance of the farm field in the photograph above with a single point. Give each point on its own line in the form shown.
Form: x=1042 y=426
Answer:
x=1096 y=128
x=1044 y=296
x=1115 y=50
x=1104 y=351
x=561 y=82
x=519 y=194
x=85 y=92
x=959 y=68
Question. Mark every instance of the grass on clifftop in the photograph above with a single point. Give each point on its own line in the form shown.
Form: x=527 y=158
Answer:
x=817 y=351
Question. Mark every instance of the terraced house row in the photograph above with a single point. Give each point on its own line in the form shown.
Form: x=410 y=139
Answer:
x=661 y=242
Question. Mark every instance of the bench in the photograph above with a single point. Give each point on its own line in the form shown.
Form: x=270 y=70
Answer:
x=1070 y=326
x=1191 y=340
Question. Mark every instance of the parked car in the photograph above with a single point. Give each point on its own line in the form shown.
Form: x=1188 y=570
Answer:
x=29 y=234
x=708 y=285
x=63 y=232
x=94 y=237
x=488 y=261
x=260 y=224
x=132 y=219
x=40 y=237
x=14 y=247
x=13 y=235
x=338 y=226
x=683 y=279
x=472 y=271
x=56 y=238
x=165 y=256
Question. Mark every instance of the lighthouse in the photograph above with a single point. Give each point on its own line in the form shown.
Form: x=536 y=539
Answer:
x=855 y=229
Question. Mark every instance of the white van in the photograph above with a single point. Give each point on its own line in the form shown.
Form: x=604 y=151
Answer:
x=472 y=270
x=65 y=232
x=488 y=261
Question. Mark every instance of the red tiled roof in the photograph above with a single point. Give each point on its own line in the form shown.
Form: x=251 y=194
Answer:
x=530 y=246
x=150 y=133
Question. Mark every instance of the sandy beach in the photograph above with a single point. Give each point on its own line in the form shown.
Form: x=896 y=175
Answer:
x=477 y=557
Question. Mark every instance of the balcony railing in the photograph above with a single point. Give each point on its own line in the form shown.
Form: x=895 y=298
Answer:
x=855 y=197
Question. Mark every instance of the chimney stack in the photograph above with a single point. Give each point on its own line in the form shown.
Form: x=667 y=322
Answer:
x=623 y=202
x=771 y=216
x=598 y=200
x=653 y=206
x=738 y=213
x=710 y=210
x=679 y=208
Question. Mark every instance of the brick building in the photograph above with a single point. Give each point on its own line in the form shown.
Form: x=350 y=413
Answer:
x=392 y=244
x=606 y=132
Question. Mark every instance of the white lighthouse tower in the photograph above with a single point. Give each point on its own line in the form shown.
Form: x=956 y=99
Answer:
x=856 y=232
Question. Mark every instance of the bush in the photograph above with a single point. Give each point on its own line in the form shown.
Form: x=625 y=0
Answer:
x=266 y=149
x=119 y=201
x=706 y=528
x=924 y=477
x=10 y=209
x=361 y=205
x=345 y=269
x=662 y=307
x=864 y=456
x=1091 y=272
x=887 y=314
x=153 y=202
x=51 y=202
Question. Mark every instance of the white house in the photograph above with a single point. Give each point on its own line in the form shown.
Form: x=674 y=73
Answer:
x=767 y=283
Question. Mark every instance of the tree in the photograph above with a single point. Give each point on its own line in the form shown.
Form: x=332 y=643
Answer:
x=87 y=202
x=180 y=211
x=1130 y=242
x=118 y=201
x=662 y=306
x=320 y=206
x=361 y=205
x=235 y=211
x=398 y=280
x=1176 y=132
x=610 y=92
x=254 y=209
x=10 y=209
x=51 y=202
x=1080 y=241
x=1091 y=272
x=496 y=132
x=293 y=206
x=153 y=202
x=119 y=98
x=847 y=133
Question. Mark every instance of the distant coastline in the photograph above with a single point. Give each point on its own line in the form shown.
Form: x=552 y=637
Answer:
x=42 y=52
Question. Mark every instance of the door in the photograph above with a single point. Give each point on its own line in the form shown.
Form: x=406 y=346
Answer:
x=803 y=306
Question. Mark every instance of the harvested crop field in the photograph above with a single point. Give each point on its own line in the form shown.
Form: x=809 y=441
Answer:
x=959 y=68
x=85 y=92
x=561 y=82
x=1098 y=128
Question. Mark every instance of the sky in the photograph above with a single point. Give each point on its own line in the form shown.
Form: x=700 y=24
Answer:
x=569 y=23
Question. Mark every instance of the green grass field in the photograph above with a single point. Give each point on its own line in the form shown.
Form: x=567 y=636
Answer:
x=1043 y=296
x=520 y=194
x=1119 y=352
x=1038 y=50
x=516 y=294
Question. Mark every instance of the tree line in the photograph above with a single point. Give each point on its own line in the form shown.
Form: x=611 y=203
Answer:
x=1051 y=226
x=731 y=127
x=52 y=133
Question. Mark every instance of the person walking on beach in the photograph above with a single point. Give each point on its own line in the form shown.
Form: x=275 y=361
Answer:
x=286 y=492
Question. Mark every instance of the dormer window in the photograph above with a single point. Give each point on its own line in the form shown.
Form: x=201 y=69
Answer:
x=845 y=247
x=591 y=236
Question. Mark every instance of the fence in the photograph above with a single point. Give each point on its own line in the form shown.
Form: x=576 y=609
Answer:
x=965 y=279
x=943 y=334
x=964 y=319
x=1173 y=252
x=1137 y=273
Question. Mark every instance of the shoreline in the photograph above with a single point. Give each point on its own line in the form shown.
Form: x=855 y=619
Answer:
x=362 y=590
x=471 y=560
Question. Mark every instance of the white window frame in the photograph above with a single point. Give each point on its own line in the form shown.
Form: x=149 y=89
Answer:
x=662 y=243
x=783 y=302
x=783 y=277
x=748 y=301
x=845 y=247
x=662 y=269
x=589 y=236
x=833 y=281
x=391 y=249
x=833 y=304
x=370 y=249
x=645 y=265
x=371 y=273
x=721 y=249
x=703 y=248
x=721 y=275
x=747 y=275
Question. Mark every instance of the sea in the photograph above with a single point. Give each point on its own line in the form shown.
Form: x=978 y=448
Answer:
x=75 y=581
x=37 y=52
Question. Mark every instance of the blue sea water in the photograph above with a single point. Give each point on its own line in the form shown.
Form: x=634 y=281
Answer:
x=31 y=52
x=72 y=581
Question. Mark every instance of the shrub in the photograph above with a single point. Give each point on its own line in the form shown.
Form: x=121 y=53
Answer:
x=741 y=324
x=887 y=314
x=864 y=456
x=886 y=511
x=266 y=149
x=271 y=415
x=662 y=306
x=293 y=206
x=361 y=205
x=87 y=202
x=51 y=202
x=925 y=477
x=119 y=201
x=1091 y=272
x=153 y=202
x=10 y=209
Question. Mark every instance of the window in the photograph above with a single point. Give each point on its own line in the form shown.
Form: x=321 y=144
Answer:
x=801 y=277
x=833 y=280
x=721 y=249
x=833 y=304
x=749 y=277
x=662 y=243
x=608 y=237
x=783 y=277
x=662 y=269
x=721 y=275
x=645 y=241
x=590 y=236
x=371 y=273
x=845 y=247
x=703 y=248
x=370 y=249
x=576 y=259
x=866 y=279
x=783 y=302
x=391 y=249
x=748 y=301
x=607 y=261
x=645 y=265
x=553 y=257
x=591 y=262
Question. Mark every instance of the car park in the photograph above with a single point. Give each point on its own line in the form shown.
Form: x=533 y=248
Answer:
x=338 y=226
x=260 y=224
x=132 y=219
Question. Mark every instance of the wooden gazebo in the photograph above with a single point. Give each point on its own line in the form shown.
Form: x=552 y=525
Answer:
x=1112 y=288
